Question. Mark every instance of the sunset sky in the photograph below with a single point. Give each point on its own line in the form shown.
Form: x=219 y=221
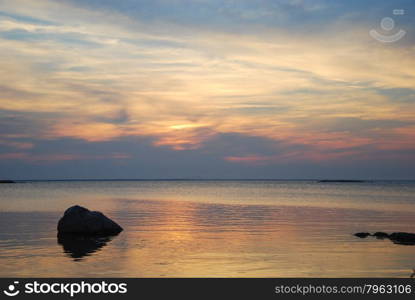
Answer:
x=206 y=89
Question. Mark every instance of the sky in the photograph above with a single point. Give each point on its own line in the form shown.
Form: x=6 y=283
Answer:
x=202 y=89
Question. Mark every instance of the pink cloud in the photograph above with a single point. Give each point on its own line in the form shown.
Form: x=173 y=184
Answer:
x=293 y=156
x=17 y=145
x=248 y=159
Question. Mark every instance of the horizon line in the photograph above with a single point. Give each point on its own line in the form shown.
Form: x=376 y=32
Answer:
x=212 y=179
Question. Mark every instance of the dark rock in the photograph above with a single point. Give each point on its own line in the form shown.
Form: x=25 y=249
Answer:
x=403 y=238
x=362 y=235
x=380 y=235
x=340 y=181
x=7 y=181
x=79 y=220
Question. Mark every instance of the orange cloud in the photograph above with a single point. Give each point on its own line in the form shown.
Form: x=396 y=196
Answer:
x=199 y=85
x=89 y=131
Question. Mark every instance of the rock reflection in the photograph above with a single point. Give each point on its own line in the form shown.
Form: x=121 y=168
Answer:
x=79 y=246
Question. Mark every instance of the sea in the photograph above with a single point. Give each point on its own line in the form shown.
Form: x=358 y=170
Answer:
x=210 y=228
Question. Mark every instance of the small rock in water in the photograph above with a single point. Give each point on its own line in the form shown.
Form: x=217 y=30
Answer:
x=79 y=220
x=7 y=181
x=403 y=238
x=362 y=235
x=380 y=235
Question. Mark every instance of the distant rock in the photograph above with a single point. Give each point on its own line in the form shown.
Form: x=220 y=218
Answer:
x=381 y=235
x=362 y=235
x=79 y=220
x=7 y=181
x=402 y=238
x=339 y=181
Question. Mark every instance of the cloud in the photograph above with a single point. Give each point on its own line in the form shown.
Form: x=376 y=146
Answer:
x=17 y=145
x=58 y=157
x=100 y=72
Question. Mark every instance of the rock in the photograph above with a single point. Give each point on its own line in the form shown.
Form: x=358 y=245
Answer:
x=403 y=238
x=362 y=235
x=7 y=181
x=340 y=181
x=380 y=235
x=79 y=220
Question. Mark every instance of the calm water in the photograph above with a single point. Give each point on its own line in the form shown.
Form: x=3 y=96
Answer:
x=210 y=229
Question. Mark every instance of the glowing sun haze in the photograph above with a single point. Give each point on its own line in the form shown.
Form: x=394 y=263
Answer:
x=205 y=89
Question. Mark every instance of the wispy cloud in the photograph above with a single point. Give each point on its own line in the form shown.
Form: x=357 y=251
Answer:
x=58 y=157
x=99 y=71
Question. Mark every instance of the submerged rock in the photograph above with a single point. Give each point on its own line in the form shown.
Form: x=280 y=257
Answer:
x=79 y=220
x=341 y=181
x=380 y=235
x=403 y=238
x=7 y=181
x=362 y=235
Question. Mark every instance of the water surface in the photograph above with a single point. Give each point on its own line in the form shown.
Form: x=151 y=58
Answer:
x=210 y=229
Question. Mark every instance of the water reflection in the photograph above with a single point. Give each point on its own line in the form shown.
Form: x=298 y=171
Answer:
x=79 y=246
